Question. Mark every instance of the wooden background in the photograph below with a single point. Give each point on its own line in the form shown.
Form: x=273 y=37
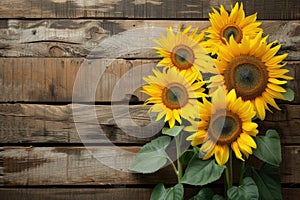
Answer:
x=43 y=43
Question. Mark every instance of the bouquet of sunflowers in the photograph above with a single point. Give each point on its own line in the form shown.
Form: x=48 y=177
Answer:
x=211 y=89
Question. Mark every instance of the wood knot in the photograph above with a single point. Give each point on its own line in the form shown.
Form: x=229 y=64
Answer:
x=57 y=51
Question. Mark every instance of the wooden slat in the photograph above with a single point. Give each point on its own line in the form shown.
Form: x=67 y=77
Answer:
x=104 y=165
x=99 y=193
x=32 y=123
x=74 y=38
x=289 y=9
x=52 y=79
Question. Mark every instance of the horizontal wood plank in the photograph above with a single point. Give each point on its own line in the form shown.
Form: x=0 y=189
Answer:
x=276 y=9
x=99 y=193
x=93 y=38
x=32 y=123
x=97 y=80
x=103 y=165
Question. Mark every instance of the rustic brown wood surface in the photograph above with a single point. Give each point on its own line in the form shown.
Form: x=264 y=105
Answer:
x=101 y=193
x=52 y=79
x=103 y=165
x=32 y=123
x=166 y=9
x=48 y=45
x=75 y=38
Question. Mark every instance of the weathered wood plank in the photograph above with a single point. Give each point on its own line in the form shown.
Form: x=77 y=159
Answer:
x=74 y=38
x=289 y=9
x=52 y=79
x=98 y=193
x=103 y=165
x=32 y=123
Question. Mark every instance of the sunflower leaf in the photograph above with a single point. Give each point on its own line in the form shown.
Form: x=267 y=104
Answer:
x=158 y=193
x=174 y=193
x=174 y=131
x=152 y=156
x=202 y=172
x=267 y=180
x=186 y=156
x=268 y=148
x=205 y=193
x=247 y=191
x=289 y=95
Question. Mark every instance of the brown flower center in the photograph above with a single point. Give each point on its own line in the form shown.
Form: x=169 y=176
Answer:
x=174 y=96
x=182 y=57
x=247 y=75
x=225 y=127
x=231 y=30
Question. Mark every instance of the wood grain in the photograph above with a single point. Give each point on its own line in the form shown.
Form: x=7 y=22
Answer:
x=102 y=165
x=111 y=38
x=52 y=80
x=289 y=9
x=97 y=80
x=100 y=193
x=33 y=123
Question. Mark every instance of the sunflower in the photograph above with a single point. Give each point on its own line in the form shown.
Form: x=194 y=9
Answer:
x=254 y=71
x=225 y=123
x=225 y=25
x=182 y=51
x=173 y=94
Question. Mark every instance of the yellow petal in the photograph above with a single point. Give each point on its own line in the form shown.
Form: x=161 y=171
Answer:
x=248 y=140
x=249 y=126
x=237 y=151
x=221 y=154
x=260 y=108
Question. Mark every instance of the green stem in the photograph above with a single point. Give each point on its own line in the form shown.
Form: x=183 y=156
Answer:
x=178 y=153
x=242 y=171
x=173 y=165
x=228 y=173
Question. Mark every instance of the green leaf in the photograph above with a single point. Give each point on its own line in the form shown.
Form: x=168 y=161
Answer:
x=267 y=180
x=202 y=172
x=158 y=193
x=204 y=193
x=152 y=156
x=175 y=193
x=186 y=157
x=268 y=148
x=247 y=191
x=217 y=197
x=172 y=131
x=289 y=95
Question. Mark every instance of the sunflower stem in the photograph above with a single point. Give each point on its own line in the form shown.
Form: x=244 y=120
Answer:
x=173 y=165
x=178 y=153
x=242 y=171
x=228 y=173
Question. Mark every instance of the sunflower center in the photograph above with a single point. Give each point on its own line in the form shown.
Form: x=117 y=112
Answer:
x=225 y=128
x=174 y=96
x=231 y=30
x=247 y=75
x=182 y=57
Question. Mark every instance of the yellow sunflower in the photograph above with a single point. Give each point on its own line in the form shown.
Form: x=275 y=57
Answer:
x=173 y=94
x=224 y=25
x=225 y=123
x=254 y=71
x=183 y=52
